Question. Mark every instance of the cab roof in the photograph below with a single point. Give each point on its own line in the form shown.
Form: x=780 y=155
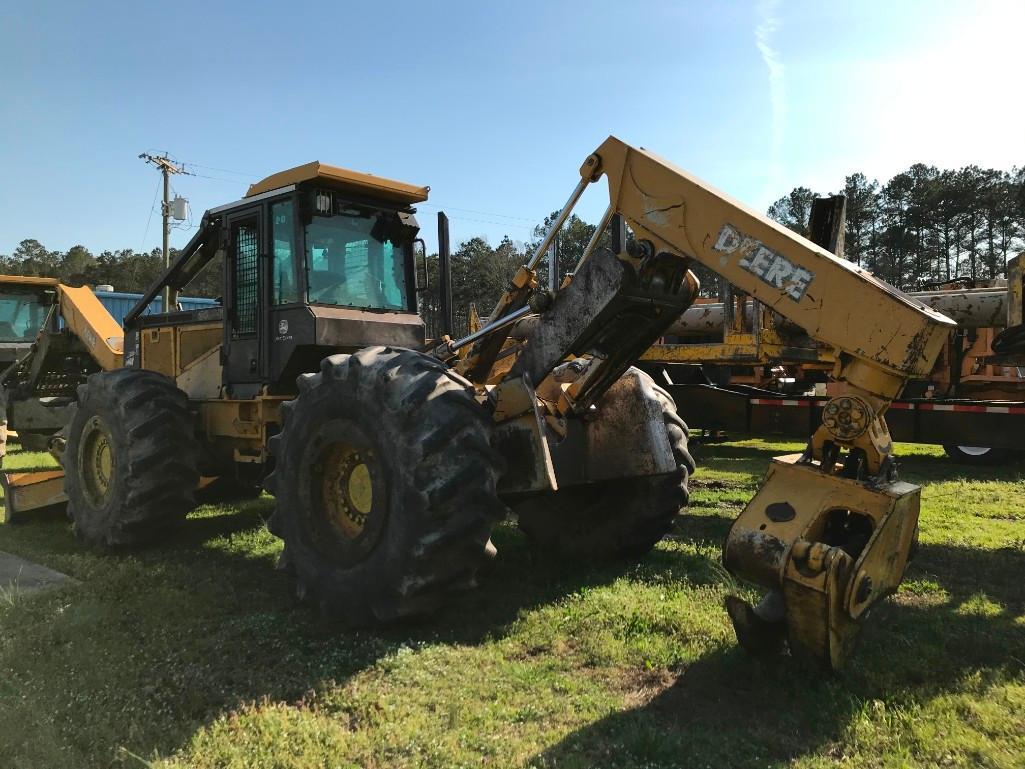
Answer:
x=27 y=280
x=335 y=177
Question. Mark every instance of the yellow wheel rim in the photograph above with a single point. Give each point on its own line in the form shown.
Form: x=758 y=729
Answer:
x=97 y=461
x=348 y=488
x=361 y=492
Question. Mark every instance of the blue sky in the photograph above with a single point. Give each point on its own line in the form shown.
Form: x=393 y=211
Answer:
x=494 y=105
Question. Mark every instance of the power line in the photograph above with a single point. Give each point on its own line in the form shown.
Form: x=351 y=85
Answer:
x=223 y=170
x=482 y=213
x=527 y=224
x=533 y=221
x=149 y=219
x=508 y=225
x=220 y=179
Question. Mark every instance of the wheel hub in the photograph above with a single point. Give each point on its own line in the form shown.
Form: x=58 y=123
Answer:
x=97 y=461
x=347 y=488
x=975 y=451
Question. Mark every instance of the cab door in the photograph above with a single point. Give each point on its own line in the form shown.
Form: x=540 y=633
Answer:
x=245 y=314
x=288 y=320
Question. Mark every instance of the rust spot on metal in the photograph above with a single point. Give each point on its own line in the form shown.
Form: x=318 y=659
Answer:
x=916 y=348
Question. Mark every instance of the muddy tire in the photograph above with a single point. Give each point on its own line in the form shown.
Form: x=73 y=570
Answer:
x=130 y=459
x=618 y=519
x=384 y=480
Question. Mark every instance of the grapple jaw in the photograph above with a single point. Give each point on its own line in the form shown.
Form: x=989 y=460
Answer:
x=826 y=547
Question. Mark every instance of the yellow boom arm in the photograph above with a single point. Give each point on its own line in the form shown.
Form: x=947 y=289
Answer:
x=86 y=317
x=830 y=531
x=827 y=538
x=832 y=299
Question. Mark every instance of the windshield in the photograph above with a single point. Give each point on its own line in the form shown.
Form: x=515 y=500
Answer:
x=357 y=259
x=21 y=315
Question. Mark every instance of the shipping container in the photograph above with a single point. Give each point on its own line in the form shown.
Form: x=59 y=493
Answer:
x=119 y=303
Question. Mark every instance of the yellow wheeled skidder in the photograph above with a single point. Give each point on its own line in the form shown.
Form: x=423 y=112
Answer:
x=391 y=460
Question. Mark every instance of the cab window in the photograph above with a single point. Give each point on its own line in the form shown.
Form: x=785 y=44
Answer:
x=21 y=315
x=284 y=287
x=357 y=259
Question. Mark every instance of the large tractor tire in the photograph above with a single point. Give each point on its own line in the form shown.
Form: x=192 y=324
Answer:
x=384 y=480
x=616 y=519
x=130 y=458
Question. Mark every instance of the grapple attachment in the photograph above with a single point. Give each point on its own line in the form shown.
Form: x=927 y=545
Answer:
x=827 y=547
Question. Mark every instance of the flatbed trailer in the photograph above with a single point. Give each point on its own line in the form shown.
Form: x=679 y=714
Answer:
x=969 y=430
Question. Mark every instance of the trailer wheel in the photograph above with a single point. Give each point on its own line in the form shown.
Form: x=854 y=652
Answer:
x=621 y=518
x=977 y=455
x=130 y=459
x=384 y=479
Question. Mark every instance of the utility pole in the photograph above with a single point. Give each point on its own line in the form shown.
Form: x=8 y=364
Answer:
x=167 y=168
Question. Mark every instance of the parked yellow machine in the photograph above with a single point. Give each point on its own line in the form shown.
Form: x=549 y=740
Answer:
x=391 y=462
x=24 y=303
x=73 y=336
x=759 y=361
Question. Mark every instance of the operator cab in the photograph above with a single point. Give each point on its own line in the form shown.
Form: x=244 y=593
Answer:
x=24 y=306
x=315 y=260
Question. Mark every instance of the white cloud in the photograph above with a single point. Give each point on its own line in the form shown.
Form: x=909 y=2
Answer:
x=768 y=23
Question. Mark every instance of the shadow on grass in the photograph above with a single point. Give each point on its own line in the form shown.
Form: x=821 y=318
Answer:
x=728 y=709
x=155 y=644
x=713 y=451
x=924 y=469
x=958 y=570
x=913 y=466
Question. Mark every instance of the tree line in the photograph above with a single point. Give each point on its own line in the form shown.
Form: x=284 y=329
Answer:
x=125 y=269
x=481 y=273
x=923 y=226
x=926 y=225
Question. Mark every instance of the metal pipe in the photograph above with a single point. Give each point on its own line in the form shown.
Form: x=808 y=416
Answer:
x=444 y=276
x=495 y=325
x=595 y=237
x=553 y=266
x=560 y=220
x=970 y=308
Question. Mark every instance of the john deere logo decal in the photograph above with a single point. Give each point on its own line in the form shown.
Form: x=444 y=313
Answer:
x=761 y=261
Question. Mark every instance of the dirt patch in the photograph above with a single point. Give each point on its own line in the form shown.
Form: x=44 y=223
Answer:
x=716 y=485
x=640 y=687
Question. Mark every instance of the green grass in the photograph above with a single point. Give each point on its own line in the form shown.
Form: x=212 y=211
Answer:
x=195 y=653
